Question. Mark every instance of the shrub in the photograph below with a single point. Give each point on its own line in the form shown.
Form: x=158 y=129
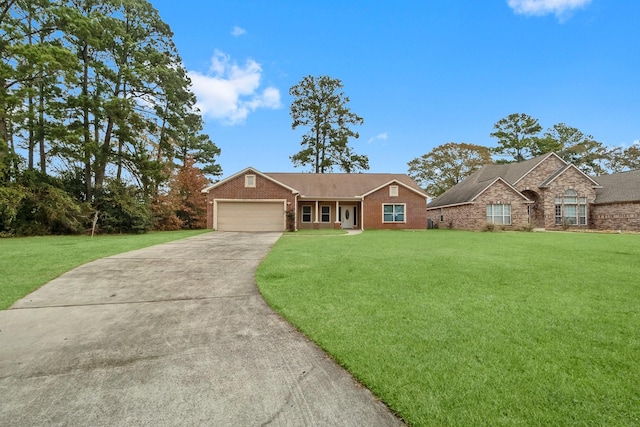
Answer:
x=122 y=209
x=37 y=205
x=10 y=200
x=50 y=210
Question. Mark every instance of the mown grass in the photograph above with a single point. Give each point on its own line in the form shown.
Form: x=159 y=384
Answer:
x=27 y=263
x=461 y=328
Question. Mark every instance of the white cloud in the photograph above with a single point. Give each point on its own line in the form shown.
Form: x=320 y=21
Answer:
x=238 y=31
x=544 y=7
x=229 y=92
x=379 y=137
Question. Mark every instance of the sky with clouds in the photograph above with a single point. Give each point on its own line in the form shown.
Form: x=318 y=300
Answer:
x=420 y=73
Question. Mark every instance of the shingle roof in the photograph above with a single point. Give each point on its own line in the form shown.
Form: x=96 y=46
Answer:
x=340 y=185
x=467 y=190
x=619 y=187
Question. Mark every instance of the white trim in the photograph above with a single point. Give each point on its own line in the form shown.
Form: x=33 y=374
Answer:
x=215 y=208
x=404 y=213
x=449 y=206
x=322 y=213
x=302 y=221
x=399 y=183
x=332 y=199
x=249 y=169
x=571 y=165
x=501 y=216
x=509 y=185
x=538 y=164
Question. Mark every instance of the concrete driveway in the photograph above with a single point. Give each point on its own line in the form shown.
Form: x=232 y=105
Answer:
x=175 y=334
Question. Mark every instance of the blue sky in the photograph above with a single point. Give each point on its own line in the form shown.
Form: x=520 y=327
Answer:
x=420 y=73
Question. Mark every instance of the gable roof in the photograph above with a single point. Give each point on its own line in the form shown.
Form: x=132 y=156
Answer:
x=477 y=183
x=547 y=182
x=511 y=173
x=342 y=185
x=331 y=185
x=619 y=187
x=242 y=172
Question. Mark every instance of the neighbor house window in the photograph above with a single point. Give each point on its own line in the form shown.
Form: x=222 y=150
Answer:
x=571 y=209
x=250 y=181
x=325 y=213
x=393 y=191
x=393 y=213
x=306 y=214
x=499 y=214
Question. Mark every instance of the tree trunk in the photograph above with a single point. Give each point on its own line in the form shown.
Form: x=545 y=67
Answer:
x=41 y=133
x=86 y=123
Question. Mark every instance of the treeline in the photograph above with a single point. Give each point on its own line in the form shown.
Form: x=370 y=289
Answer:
x=520 y=137
x=98 y=124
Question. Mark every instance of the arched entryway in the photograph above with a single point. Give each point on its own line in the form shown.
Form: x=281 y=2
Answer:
x=535 y=209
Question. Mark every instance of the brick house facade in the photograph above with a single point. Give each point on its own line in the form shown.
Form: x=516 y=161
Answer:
x=544 y=192
x=254 y=201
x=617 y=204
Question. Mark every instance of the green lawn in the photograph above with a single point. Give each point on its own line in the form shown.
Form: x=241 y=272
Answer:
x=460 y=328
x=27 y=263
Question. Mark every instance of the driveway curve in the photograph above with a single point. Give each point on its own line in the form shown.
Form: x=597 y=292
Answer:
x=174 y=334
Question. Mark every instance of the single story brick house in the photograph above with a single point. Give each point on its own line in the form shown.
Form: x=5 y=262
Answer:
x=617 y=204
x=251 y=200
x=543 y=192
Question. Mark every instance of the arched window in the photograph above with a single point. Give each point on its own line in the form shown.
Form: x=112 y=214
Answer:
x=571 y=209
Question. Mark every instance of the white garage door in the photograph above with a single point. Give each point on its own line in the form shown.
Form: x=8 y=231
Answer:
x=250 y=216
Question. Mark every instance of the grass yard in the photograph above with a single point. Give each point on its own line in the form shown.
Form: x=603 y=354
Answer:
x=460 y=328
x=27 y=263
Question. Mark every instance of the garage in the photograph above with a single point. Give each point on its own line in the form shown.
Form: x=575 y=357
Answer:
x=250 y=216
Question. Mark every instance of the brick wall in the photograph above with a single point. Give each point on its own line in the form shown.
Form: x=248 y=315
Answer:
x=540 y=173
x=235 y=189
x=415 y=209
x=616 y=216
x=474 y=216
x=570 y=179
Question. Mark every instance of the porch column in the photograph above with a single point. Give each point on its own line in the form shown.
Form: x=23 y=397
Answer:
x=337 y=222
x=362 y=215
x=316 y=223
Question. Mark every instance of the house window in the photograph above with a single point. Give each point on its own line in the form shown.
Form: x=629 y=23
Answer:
x=325 y=213
x=571 y=209
x=393 y=191
x=393 y=213
x=306 y=214
x=441 y=214
x=499 y=214
x=250 y=181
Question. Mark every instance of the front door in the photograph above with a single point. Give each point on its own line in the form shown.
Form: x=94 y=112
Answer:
x=348 y=216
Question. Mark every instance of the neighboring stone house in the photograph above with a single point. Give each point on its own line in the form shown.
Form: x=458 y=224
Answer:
x=544 y=192
x=254 y=201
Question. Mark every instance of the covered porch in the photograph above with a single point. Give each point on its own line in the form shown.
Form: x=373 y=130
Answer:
x=317 y=213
